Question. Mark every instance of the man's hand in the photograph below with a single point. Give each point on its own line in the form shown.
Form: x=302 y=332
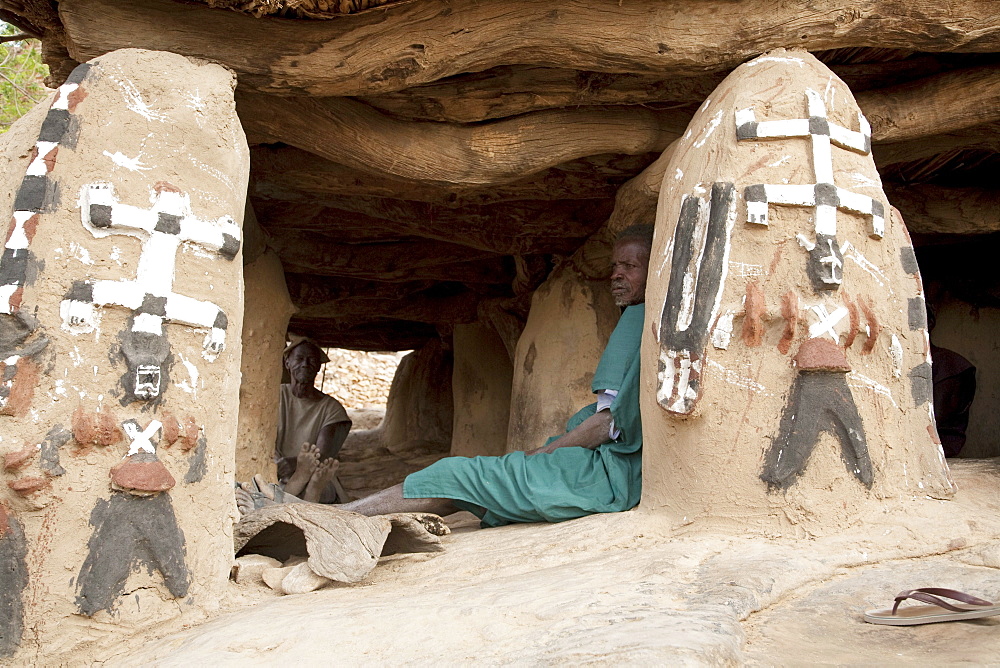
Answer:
x=588 y=434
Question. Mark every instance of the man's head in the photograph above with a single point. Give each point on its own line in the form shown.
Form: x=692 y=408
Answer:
x=303 y=359
x=629 y=264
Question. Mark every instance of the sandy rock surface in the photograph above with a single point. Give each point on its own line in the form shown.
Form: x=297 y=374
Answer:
x=357 y=379
x=622 y=588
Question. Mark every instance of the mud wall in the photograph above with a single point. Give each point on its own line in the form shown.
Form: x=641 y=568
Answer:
x=267 y=313
x=481 y=383
x=568 y=326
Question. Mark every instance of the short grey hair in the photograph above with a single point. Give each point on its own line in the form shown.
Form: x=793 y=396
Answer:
x=642 y=233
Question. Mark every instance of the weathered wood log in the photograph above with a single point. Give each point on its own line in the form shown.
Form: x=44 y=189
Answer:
x=513 y=90
x=291 y=174
x=281 y=217
x=311 y=253
x=309 y=290
x=934 y=105
x=373 y=334
x=419 y=42
x=931 y=209
x=451 y=309
x=985 y=137
x=521 y=228
x=352 y=133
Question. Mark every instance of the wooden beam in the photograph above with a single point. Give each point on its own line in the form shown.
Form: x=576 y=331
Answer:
x=553 y=228
x=353 y=134
x=512 y=91
x=928 y=209
x=451 y=310
x=940 y=104
x=372 y=335
x=308 y=289
x=419 y=42
x=291 y=174
x=986 y=137
x=311 y=253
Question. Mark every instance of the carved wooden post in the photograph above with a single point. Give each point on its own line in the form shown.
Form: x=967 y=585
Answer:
x=120 y=325
x=790 y=385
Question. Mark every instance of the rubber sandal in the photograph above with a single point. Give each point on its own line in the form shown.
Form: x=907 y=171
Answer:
x=939 y=610
x=274 y=491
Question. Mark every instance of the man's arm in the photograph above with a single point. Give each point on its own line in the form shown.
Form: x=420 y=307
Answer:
x=588 y=434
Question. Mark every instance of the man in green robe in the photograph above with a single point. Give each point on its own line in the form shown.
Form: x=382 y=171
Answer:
x=594 y=467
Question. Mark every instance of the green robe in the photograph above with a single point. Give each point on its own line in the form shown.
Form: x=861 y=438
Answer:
x=570 y=482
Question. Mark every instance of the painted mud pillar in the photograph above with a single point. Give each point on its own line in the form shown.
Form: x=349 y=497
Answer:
x=120 y=317
x=568 y=326
x=789 y=389
x=481 y=382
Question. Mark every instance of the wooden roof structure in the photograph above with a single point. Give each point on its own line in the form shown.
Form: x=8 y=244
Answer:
x=422 y=163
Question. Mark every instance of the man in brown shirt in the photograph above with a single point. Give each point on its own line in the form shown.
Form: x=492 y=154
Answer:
x=312 y=427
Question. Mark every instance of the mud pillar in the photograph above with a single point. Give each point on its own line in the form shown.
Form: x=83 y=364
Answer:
x=419 y=406
x=568 y=326
x=264 y=329
x=481 y=383
x=788 y=385
x=120 y=322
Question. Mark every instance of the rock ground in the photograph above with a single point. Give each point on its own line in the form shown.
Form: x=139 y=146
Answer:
x=628 y=588
x=357 y=379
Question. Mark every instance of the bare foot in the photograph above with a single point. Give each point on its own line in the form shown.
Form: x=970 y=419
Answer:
x=324 y=473
x=248 y=501
x=305 y=466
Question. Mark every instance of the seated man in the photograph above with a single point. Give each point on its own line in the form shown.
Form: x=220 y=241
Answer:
x=312 y=427
x=595 y=467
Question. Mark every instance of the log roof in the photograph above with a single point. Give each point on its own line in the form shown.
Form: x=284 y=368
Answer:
x=424 y=163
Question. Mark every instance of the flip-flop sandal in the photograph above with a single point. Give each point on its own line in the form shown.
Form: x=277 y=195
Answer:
x=259 y=500
x=277 y=494
x=939 y=610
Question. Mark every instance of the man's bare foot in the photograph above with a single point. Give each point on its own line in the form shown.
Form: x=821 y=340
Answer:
x=305 y=466
x=248 y=501
x=321 y=478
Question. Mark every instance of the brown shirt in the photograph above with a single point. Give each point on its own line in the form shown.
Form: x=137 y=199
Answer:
x=300 y=420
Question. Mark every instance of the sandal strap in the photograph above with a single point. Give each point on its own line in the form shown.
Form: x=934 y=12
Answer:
x=931 y=595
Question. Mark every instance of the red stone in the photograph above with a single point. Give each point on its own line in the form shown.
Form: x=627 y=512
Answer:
x=142 y=473
x=15 y=460
x=821 y=355
x=26 y=486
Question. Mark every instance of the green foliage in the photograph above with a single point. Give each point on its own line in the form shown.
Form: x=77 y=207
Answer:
x=21 y=76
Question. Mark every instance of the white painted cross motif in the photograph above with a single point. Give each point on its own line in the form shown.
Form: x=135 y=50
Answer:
x=166 y=225
x=826 y=321
x=163 y=227
x=141 y=439
x=823 y=195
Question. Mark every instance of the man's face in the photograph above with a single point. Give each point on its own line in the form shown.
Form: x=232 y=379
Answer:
x=303 y=363
x=629 y=263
